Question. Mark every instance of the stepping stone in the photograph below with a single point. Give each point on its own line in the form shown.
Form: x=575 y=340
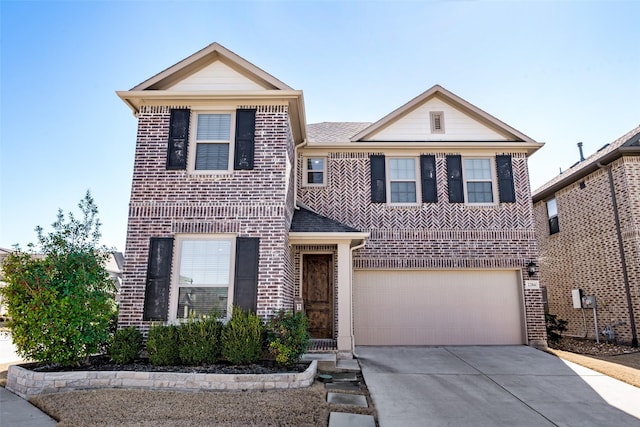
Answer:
x=348 y=365
x=347 y=399
x=345 y=386
x=344 y=376
x=340 y=419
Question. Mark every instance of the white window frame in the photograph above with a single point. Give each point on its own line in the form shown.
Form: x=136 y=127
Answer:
x=494 y=181
x=174 y=293
x=306 y=170
x=432 y=119
x=416 y=180
x=193 y=142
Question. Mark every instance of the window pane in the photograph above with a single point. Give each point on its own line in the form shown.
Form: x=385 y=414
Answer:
x=315 y=178
x=196 y=302
x=477 y=169
x=552 y=208
x=205 y=263
x=315 y=164
x=214 y=127
x=403 y=192
x=479 y=192
x=212 y=156
x=402 y=168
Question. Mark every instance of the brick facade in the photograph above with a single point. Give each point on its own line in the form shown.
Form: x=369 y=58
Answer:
x=248 y=203
x=438 y=235
x=585 y=253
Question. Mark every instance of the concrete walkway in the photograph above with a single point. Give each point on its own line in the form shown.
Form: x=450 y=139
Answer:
x=491 y=386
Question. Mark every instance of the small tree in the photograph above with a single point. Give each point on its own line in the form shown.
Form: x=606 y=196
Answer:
x=61 y=302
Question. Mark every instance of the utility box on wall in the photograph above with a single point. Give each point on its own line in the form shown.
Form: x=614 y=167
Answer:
x=589 y=301
x=576 y=296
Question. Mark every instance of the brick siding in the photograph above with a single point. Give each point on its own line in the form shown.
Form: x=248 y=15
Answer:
x=585 y=253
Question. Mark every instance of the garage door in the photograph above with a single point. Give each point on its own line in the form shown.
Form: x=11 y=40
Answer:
x=459 y=307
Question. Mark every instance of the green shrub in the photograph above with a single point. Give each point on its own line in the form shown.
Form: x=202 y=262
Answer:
x=242 y=338
x=126 y=345
x=555 y=327
x=200 y=341
x=61 y=301
x=163 y=347
x=288 y=337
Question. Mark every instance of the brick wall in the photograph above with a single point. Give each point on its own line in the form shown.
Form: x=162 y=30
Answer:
x=585 y=253
x=250 y=203
x=438 y=235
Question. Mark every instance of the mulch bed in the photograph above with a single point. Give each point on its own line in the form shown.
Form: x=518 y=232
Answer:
x=590 y=347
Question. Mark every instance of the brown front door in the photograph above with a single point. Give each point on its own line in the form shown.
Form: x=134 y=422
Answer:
x=317 y=292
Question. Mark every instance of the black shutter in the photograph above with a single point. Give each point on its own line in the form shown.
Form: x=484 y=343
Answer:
x=245 y=137
x=245 y=284
x=505 y=179
x=378 y=185
x=454 y=178
x=178 y=139
x=428 y=177
x=156 y=293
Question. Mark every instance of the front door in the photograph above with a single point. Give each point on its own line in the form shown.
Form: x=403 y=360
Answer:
x=317 y=292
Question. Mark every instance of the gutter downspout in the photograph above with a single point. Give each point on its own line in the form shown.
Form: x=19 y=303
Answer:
x=353 y=338
x=623 y=259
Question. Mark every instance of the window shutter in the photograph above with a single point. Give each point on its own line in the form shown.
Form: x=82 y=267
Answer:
x=378 y=185
x=178 y=139
x=505 y=179
x=428 y=177
x=156 y=293
x=245 y=285
x=245 y=138
x=454 y=178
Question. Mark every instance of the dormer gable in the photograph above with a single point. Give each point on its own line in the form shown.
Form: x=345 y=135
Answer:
x=439 y=115
x=210 y=69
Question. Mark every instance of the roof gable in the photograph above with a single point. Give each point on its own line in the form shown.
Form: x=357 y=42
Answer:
x=462 y=122
x=212 y=68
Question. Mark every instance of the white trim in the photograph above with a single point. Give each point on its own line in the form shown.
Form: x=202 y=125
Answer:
x=305 y=171
x=416 y=180
x=494 y=181
x=193 y=142
x=175 y=273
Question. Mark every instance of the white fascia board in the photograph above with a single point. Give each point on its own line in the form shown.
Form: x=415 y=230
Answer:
x=299 y=238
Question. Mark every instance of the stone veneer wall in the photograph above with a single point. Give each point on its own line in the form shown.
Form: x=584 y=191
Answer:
x=585 y=253
x=248 y=203
x=438 y=235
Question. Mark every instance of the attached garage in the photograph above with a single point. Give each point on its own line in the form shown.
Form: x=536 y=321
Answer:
x=427 y=307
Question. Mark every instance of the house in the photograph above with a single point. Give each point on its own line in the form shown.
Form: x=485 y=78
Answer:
x=415 y=229
x=588 y=229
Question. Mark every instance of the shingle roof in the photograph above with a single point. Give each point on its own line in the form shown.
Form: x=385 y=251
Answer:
x=306 y=221
x=630 y=139
x=334 y=131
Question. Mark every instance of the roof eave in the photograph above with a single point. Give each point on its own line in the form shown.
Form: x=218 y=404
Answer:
x=298 y=237
x=576 y=176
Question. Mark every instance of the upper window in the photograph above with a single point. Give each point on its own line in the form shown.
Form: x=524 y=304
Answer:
x=478 y=181
x=204 y=280
x=552 y=212
x=402 y=180
x=213 y=139
x=315 y=171
x=437 y=121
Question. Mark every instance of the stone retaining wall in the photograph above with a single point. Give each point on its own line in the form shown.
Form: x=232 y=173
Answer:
x=26 y=383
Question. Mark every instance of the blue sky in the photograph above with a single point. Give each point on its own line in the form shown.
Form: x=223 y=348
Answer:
x=560 y=72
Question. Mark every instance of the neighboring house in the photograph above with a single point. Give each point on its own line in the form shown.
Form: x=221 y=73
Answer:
x=415 y=229
x=588 y=230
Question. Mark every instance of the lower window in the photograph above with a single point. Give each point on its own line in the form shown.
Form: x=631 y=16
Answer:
x=204 y=282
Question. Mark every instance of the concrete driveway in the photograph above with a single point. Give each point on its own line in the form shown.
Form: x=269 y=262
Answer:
x=491 y=386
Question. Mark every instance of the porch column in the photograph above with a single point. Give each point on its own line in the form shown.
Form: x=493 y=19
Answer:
x=345 y=326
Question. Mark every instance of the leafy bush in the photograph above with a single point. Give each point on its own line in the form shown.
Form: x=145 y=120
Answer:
x=200 y=341
x=163 y=347
x=288 y=337
x=126 y=345
x=242 y=338
x=61 y=301
x=555 y=327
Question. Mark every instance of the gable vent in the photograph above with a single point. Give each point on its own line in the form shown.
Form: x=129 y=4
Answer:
x=437 y=121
